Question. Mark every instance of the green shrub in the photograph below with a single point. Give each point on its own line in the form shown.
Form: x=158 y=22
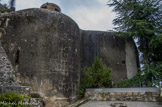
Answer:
x=153 y=74
x=13 y=100
x=133 y=82
x=96 y=76
x=159 y=99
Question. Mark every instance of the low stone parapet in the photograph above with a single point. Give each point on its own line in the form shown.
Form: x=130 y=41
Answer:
x=123 y=94
x=16 y=89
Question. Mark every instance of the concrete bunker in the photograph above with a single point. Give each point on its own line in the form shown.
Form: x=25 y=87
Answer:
x=49 y=54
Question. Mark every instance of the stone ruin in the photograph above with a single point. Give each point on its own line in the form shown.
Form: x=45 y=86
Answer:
x=48 y=52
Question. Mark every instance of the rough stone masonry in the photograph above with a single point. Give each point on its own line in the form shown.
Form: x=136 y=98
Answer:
x=124 y=94
x=48 y=51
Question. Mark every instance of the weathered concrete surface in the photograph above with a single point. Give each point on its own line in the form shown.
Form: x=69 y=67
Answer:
x=118 y=53
x=128 y=103
x=124 y=90
x=44 y=48
x=132 y=60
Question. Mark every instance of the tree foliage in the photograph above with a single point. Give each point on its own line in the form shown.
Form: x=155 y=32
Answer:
x=96 y=76
x=142 y=20
x=5 y=8
x=12 y=5
x=152 y=74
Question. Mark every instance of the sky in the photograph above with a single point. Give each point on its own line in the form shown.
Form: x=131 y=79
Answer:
x=88 y=14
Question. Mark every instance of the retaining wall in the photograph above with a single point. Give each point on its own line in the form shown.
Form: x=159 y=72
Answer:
x=124 y=94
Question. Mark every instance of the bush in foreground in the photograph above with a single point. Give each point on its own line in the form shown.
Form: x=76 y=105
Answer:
x=96 y=76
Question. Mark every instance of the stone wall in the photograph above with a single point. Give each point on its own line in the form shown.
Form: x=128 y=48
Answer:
x=124 y=94
x=17 y=89
x=7 y=73
x=8 y=82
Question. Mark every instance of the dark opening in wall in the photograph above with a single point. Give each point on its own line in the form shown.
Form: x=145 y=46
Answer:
x=45 y=7
x=123 y=62
x=17 y=57
x=57 y=10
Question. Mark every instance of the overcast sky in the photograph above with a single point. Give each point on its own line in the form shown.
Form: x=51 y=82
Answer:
x=89 y=14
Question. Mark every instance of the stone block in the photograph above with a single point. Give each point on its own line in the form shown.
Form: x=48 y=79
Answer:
x=129 y=93
x=112 y=93
x=124 y=93
x=146 y=99
x=128 y=98
x=141 y=93
x=134 y=98
x=140 y=98
x=88 y=93
x=135 y=93
x=155 y=94
x=118 y=93
x=112 y=99
x=149 y=94
x=153 y=99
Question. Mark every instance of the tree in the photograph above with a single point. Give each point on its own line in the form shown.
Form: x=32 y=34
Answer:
x=4 y=8
x=142 y=20
x=12 y=5
x=7 y=8
x=96 y=76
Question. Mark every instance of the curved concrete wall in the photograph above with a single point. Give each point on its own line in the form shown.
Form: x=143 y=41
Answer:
x=131 y=58
x=118 y=53
x=44 y=48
